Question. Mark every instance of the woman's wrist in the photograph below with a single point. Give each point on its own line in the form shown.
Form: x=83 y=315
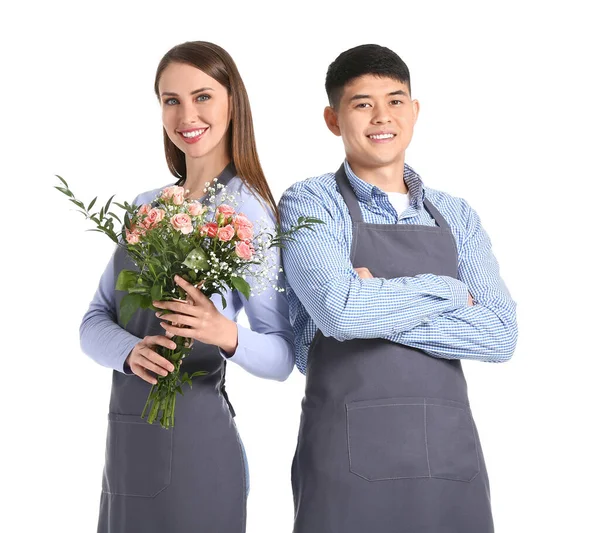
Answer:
x=229 y=343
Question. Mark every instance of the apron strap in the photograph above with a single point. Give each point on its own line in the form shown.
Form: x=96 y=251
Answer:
x=435 y=214
x=348 y=194
x=349 y=197
x=224 y=392
x=228 y=173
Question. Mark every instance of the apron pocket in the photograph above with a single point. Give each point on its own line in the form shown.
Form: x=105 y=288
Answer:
x=451 y=442
x=409 y=438
x=138 y=457
x=386 y=439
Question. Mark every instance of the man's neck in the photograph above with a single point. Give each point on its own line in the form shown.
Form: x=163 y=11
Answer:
x=388 y=178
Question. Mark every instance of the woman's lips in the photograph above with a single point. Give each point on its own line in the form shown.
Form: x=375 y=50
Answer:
x=192 y=136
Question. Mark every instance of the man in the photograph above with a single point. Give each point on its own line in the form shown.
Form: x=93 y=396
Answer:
x=386 y=297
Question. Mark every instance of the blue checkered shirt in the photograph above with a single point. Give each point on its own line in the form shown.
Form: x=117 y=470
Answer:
x=427 y=312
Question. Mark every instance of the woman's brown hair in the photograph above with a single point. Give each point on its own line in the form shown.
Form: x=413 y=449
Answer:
x=218 y=64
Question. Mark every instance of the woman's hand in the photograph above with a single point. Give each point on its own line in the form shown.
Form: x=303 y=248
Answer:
x=143 y=358
x=205 y=323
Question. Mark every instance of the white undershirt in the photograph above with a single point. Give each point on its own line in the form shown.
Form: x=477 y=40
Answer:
x=400 y=201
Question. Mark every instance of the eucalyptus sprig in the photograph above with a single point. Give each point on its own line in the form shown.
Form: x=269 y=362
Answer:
x=281 y=237
x=104 y=219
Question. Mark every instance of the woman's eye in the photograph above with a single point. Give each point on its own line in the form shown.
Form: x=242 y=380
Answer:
x=171 y=101
x=203 y=98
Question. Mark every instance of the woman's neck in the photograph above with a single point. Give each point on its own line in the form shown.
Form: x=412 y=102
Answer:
x=200 y=170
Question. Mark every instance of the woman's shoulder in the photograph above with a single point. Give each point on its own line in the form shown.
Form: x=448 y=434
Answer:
x=148 y=197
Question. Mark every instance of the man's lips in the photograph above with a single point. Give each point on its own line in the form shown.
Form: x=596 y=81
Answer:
x=382 y=137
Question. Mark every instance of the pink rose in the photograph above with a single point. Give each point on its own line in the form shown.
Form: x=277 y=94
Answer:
x=178 y=196
x=210 y=230
x=155 y=215
x=132 y=237
x=244 y=233
x=226 y=210
x=241 y=221
x=170 y=192
x=226 y=233
x=182 y=223
x=244 y=250
x=143 y=210
x=196 y=209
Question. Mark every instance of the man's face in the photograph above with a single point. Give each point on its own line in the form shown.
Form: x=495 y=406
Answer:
x=375 y=119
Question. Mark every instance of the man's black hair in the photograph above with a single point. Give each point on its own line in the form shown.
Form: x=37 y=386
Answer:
x=359 y=61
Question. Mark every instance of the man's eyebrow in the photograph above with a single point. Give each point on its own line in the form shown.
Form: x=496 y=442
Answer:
x=359 y=97
x=399 y=92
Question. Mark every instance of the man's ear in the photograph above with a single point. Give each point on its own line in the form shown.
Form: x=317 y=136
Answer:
x=416 y=108
x=331 y=119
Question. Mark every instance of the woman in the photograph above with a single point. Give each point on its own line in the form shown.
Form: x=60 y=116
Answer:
x=192 y=477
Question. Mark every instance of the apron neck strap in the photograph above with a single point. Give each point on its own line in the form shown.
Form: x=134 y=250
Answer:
x=349 y=197
x=228 y=173
x=348 y=194
x=435 y=214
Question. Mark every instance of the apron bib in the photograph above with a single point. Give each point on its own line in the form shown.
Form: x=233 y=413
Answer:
x=186 y=479
x=387 y=443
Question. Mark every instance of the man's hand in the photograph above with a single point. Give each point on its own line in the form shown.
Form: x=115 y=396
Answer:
x=363 y=273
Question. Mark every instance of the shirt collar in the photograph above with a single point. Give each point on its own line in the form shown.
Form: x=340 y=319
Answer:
x=366 y=192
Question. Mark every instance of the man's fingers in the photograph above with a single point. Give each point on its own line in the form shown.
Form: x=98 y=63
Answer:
x=363 y=273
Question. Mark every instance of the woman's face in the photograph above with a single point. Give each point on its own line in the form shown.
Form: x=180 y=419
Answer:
x=195 y=110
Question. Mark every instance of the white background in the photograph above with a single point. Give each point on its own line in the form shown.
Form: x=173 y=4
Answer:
x=510 y=114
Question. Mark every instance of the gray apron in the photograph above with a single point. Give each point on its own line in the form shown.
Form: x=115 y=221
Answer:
x=187 y=479
x=387 y=443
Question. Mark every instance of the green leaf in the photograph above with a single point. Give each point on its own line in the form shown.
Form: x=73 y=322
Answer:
x=65 y=183
x=223 y=301
x=178 y=389
x=64 y=191
x=77 y=203
x=146 y=302
x=126 y=280
x=198 y=373
x=127 y=221
x=92 y=203
x=108 y=203
x=197 y=259
x=156 y=292
x=114 y=216
x=241 y=285
x=129 y=305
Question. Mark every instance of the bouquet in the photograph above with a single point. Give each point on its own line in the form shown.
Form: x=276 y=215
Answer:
x=208 y=244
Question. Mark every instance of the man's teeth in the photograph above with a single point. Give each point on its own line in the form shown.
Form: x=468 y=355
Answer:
x=194 y=133
x=382 y=136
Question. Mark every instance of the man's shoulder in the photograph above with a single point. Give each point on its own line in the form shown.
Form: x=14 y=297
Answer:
x=321 y=187
x=455 y=209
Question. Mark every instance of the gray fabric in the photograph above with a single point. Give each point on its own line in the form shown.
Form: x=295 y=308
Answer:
x=387 y=442
x=189 y=478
